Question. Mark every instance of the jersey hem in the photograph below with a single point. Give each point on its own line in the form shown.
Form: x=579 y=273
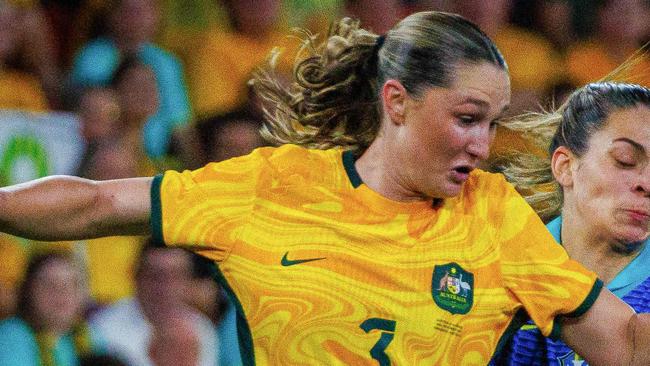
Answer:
x=580 y=310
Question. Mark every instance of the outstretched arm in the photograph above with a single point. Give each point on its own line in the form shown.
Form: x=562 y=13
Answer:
x=609 y=333
x=71 y=208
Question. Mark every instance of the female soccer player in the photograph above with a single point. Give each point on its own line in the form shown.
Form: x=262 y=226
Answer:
x=599 y=159
x=384 y=246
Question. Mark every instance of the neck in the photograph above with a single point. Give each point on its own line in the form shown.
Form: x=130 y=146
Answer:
x=379 y=172
x=600 y=253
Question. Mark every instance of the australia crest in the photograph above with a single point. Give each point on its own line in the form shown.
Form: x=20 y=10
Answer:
x=452 y=288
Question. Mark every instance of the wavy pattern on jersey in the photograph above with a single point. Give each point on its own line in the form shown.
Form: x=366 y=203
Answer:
x=379 y=258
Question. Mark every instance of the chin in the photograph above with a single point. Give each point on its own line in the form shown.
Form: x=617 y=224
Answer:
x=448 y=192
x=633 y=235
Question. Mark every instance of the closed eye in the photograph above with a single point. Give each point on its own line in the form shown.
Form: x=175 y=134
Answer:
x=625 y=164
x=467 y=119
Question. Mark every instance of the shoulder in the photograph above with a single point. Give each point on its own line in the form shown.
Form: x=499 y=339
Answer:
x=482 y=183
x=286 y=159
x=490 y=195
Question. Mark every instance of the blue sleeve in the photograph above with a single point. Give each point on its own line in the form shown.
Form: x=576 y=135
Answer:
x=94 y=64
x=17 y=344
x=174 y=107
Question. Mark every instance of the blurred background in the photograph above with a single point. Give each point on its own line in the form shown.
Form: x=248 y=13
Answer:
x=114 y=89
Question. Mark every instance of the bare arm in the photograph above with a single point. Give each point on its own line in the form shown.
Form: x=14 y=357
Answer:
x=70 y=208
x=610 y=333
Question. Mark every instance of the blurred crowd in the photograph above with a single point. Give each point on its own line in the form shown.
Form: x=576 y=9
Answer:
x=162 y=84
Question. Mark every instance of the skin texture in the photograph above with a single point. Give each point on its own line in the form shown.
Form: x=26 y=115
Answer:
x=422 y=140
x=606 y=213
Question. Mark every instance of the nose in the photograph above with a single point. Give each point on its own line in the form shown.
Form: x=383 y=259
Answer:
x=642 y=186
x=479 y=144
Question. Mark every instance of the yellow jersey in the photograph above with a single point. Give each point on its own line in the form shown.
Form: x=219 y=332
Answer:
x=325 y=271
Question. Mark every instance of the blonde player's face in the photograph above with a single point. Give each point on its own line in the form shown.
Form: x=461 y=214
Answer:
x=610 y=183
x=448 y=131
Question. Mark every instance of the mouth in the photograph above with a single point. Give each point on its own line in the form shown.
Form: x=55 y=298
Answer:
x=640 y=216
x=460 y=173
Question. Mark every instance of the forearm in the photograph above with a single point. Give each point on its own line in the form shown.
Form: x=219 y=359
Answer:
x=67 y=208
x=639 y=331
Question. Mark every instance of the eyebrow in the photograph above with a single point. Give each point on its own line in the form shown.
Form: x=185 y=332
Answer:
x=482 y=103
x=635 y=144
x=477 y=101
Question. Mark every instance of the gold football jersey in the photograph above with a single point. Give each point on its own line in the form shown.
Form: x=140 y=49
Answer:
x=325 y=271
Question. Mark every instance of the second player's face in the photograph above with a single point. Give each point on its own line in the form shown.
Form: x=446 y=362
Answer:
x=448 y=131
x=611 y=181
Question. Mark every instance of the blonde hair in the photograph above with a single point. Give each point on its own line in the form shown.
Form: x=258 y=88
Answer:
x=333 y=100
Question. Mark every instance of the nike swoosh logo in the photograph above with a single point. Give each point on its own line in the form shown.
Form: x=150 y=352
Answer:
x=286 y=262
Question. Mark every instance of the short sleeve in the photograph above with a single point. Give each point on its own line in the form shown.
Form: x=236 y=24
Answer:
x=538 y=272
x=205 y=210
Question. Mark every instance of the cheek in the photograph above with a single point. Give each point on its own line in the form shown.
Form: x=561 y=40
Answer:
x=601 y=191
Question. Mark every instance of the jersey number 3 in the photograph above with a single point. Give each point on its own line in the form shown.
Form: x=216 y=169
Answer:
x=377 y=352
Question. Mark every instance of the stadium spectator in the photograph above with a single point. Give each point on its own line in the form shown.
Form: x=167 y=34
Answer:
x=141 y=329
x=600 y=204
x=112 y=118
x=114 y=125
x=234 y=134
x=534 y=64
x=376 y=16
x=554 y=19
x=40 y=51
x=218 y=70
x=133 y=24
x=622 y=27
x=99 y=113
x=384 y=243
x=19 y=89
x=49 y=328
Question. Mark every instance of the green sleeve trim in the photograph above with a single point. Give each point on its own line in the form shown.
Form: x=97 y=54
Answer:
x=520 y=318
x=586 y=305
x=244 y=335
x=156 y=211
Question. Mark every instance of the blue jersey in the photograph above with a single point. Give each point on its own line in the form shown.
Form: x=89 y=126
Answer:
x=529 y=347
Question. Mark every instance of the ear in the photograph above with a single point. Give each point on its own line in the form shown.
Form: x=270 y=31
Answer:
x=561 y=165
x=393 y=97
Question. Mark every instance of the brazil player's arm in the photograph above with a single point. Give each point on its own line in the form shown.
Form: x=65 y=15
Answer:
x=609 y=333
x=71 y=208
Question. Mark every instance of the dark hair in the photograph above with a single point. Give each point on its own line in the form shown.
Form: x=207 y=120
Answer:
x=571 y=125
x=333 y=100
x=588 y=108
